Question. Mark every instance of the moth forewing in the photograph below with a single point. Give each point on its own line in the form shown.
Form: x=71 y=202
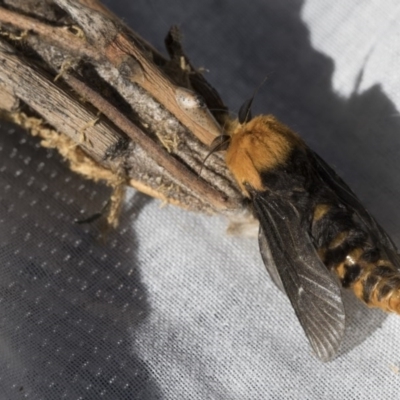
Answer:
x=294 y=264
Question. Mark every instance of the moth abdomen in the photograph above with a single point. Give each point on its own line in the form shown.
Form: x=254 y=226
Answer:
x=349 y=251
x=378 y=285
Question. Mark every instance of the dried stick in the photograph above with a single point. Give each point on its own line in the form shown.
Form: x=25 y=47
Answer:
x=144 y=118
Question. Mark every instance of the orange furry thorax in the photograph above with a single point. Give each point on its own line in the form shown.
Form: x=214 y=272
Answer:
x=258 y=146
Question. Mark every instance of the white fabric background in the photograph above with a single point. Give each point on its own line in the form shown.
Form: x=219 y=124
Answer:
x=169 y=307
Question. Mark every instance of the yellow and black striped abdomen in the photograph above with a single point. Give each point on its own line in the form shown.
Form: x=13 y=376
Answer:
x=360 y=264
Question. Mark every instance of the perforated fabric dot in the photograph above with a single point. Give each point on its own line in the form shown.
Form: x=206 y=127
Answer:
x=168 y=306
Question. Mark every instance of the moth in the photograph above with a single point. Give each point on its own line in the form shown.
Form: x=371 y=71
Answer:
x=314 y=233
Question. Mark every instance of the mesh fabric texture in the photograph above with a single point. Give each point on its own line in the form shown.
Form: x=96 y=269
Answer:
x=169 y=306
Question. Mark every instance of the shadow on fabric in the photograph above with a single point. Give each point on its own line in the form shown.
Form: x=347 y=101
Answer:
x=69 y=299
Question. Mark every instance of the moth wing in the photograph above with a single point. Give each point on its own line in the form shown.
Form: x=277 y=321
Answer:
x=295 y=267
x=269 y=262
x=329 y=177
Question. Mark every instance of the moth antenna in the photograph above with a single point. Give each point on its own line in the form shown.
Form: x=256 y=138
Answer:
x=244 y=114
x=220 y=143
x=229 y=112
